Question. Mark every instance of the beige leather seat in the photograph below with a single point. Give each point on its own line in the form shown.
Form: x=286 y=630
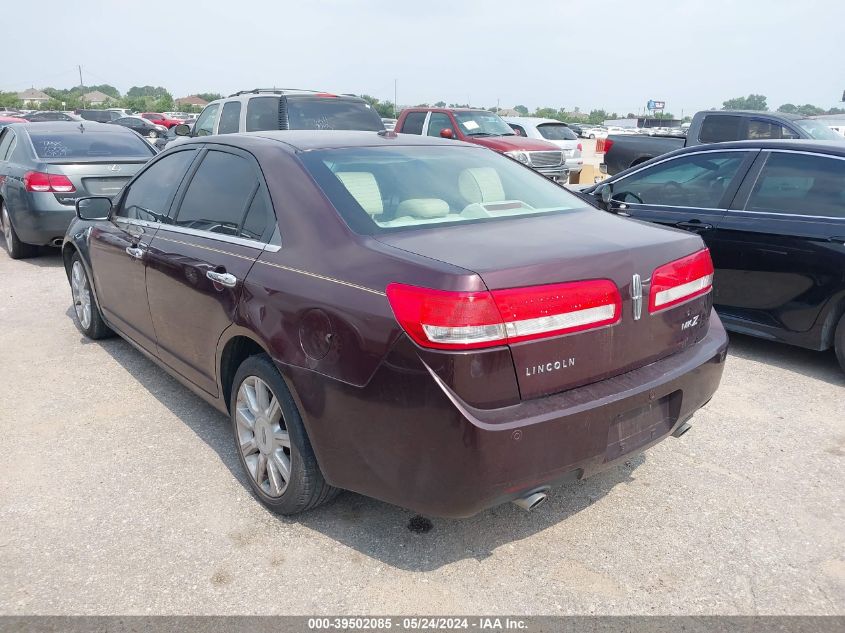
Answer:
x=364 y=188
x=423 y=208
x=481 y=184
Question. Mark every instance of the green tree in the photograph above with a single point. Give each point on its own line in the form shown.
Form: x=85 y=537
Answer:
x=788 y=108
x=810 y=110
x=9 y=100
x=547 y=113
x=521 y=109
x=751 y=102
x=148 y=91
x=597 y=117
x=210 y=96
x=440 y=104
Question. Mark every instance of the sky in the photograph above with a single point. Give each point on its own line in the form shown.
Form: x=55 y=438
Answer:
x=612 y=54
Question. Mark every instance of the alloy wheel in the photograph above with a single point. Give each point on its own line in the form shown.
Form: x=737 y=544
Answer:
x=7 y=227
x=81 y=294
x=263 y=438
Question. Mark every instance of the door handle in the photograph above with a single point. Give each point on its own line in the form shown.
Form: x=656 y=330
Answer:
x=694 y=225
x=137 y=253
x=224 y=279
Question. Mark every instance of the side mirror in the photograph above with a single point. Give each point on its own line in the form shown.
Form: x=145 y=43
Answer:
x=183 y=129
x=93 y=208
x=603 y=193
x=446 y=133
x=517 y=132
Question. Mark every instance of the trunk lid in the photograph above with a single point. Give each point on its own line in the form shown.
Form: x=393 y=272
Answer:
x=94 y=178
x=579 y=245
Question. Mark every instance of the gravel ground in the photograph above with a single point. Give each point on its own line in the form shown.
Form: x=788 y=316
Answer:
x=120 y=493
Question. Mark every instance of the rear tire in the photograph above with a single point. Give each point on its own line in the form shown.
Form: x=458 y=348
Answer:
x=271 y=442
x=839 y=342
x=16 y=248
x=86 y=312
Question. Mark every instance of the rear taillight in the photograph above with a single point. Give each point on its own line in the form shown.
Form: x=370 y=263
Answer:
x=680 y=281
x=47 y=183
x=469 y=320
x=607 y=145
x=580 y=149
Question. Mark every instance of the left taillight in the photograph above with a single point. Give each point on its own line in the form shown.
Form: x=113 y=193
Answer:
x=40 y=182
x=681 y=280
x=469 y=320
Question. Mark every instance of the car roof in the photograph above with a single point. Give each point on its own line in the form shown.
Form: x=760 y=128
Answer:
x=836 y=148
x=67 y=127
x=531 y=120
x=782 y=115
x=307 y=140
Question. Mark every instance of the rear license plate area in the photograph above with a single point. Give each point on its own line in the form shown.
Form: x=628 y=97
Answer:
x=104 y=186
x=634 y=429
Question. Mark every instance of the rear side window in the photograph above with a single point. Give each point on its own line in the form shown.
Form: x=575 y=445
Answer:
x=556 y=132
x=5 y=141
x=230 y=118
x=217 y=198
x=800 y=184
x=332 y=114
x=695 y=180
x=413 y=123
x=262 y=113
x=151 y=193
x=90 y=144
x=768 y=129
x=718 y=128
x=259 y=221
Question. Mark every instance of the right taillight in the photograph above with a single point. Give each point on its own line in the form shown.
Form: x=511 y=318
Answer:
x=40 y=182
x=680 y=281
x=469 y=320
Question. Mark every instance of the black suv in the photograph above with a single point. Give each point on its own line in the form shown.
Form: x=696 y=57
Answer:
x=283 y=109
x=101 y=116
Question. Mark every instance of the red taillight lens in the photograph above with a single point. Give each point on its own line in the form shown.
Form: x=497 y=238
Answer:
x=580 y=149
x=469 y=320
x=680 y=281
x=41 y=183
x=607 y=145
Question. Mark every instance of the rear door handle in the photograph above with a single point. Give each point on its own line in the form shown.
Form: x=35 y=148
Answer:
x=694 y=225
x=224 y=279
x=137 y=253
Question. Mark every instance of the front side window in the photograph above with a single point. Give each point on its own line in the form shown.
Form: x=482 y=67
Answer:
x=379 y=189
x=817 y=130
x=518 y=129
x=151 y=193
x=89 y=144
x=439 y=121
x=801 y=184
x=230 y=118
x=556 y=132
x=768 y=129
x=219 y=194
x=413 y=123
x=205 y=123
x=262 y=113
x=694 y=180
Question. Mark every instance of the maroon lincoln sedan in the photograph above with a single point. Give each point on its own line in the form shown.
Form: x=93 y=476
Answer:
x=419 y=320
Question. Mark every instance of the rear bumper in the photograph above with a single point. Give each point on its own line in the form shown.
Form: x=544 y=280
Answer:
x=44 y=220
x=408 y=440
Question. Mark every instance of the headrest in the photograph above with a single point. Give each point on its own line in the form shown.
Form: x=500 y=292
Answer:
x=423 y=208
x=481 y=184
x=364 y=188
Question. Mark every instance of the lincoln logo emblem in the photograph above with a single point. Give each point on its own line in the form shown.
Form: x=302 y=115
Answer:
x=637 y=296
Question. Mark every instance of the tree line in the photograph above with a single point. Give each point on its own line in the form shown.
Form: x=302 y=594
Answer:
x=139 y=98
x=758 y=102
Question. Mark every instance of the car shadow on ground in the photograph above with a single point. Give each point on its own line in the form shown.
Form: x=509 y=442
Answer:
x=820 y=365
x=47 y=257
x=390 y=534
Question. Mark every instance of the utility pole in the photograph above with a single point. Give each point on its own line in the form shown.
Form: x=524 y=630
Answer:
x=80 y=76
x=395 y=104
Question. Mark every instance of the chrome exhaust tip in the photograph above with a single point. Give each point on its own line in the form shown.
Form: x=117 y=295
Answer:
x=57 y=242
x=532 y=500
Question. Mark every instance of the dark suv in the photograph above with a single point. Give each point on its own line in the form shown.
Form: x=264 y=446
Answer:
x=283 y=109
x=100 y=116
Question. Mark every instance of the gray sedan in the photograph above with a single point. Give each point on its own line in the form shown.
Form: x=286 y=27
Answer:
x=45 y=167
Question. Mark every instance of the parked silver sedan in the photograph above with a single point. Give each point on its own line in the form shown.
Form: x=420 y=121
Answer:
x=45 y=167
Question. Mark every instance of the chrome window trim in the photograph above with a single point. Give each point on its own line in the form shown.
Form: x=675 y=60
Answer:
x=229 y=239
x=778 y=214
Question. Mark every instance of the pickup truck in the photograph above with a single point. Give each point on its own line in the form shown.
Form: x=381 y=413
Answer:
x=713 y=126
x=488 y=130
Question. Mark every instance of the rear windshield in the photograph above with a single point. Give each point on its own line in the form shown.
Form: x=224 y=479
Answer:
x=332 y=114
x=89 y=144
x=556 y=132
x=382 y=189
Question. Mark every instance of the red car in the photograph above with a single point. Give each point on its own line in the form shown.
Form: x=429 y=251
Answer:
x=160 y=119
x=417 y=320
x=487 y=129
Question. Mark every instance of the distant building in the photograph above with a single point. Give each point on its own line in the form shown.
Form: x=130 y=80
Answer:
x=643 y=122
x=95 y=98
x=33 y=97
x=193 y=100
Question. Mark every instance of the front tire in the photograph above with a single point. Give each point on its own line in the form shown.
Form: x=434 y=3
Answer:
x=86 y=312
x=839 y=342
x=16 y=248
x=271 y=441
